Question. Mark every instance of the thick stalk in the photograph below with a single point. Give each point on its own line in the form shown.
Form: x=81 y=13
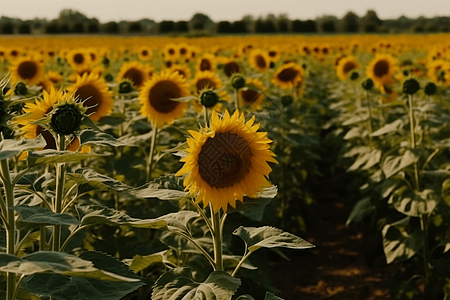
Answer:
x=57 y=206
x=152 y=153
x=236 y=99
x=11 y=229
x=217 y=240
x=205 y=116
x=369 y=108
x=423 y=217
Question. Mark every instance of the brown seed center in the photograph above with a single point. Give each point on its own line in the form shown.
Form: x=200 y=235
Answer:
x=249 y=96
x=260 y=61
x=349 y=66
x=204 y=83
x=231 y=67
x=78 y=58
x=205 y=65
x=94 y=95
x=224 y=160
x=160 y=95
x=381 y=68
x=287 y=75
x=27 y=69
x=135 y=76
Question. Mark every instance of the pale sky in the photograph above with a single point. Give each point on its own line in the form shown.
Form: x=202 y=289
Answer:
x=231 y=10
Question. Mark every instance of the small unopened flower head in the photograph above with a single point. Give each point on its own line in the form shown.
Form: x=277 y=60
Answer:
x=367 y=84
x=430 y=89
x=411 y=86
x=237 y=81
x=20 y=89
x=66 y=117
x=125 y=87
x=209 y=98
x=354 y=75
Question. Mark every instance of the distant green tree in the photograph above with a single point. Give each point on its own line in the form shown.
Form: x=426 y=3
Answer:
x=181 y=26
x=370 y=22
x=327 y=24
x=111 y=27
x=93 y=27
x=166 y=26
x=239 y=27
x=349 y=23
x=200 y=21
x=134 y=27
x=7 y=28
x=78 y=27
x=64 y=28
x=224 y=27
x=283 y=25
x=24 y=28
x=51 y=28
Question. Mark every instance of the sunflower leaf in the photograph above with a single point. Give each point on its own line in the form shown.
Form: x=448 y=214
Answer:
x=270 y=237
x=95 y=138
x=393 y=164
x=96 y=214
x=253 y=208
x=177 y=284
x=270 y=296
x=179 y=221
x=97 y=180
x=10 y=148
x=184 y=99
x=139 y=262
x=39 y=215
x=54 y=156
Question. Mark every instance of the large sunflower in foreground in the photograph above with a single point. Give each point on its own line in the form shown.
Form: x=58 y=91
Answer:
x=157 y=94
x=227 y=161
x=134 y=71
x=288 y=75
x=381 y=69
x=345 y=66
x=27 y=69
x=93 y=91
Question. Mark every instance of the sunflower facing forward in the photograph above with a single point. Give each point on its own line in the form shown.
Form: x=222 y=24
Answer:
x=345 y=66
x=27 y=69
x=92 y=89
x=288 y=75
x=156 y=95
x=227 y=161
x=381 y=69
x=134 y=71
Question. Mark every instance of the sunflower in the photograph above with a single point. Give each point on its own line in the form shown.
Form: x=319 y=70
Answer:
x=92 y=89
x=274 y=53
x=438 y=71
x=183 y=50
x=134 y=71
x=259 y=60
x=88 y=69
x=390 y=94
x=345 y=66
x=155 y=97
x=252 y=94
x=78 y=58
x=206 y=63
x=227 y=161
x=205 y=79
x=144 y=53
x=38 y=110
x=14 y=53
x=381 y=69
x=181 y=70
x=230 y=66
x=28 y=69
x=288 y=75
x=170 y=52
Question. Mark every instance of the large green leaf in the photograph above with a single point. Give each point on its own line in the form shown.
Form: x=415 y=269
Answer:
x=270 y=237
x=177 y=284
x=55 y=156
x=363 y=208
x=163 y=194
x=393 y=164
x=55 y=262
x=10 y=148
x=179 y=221
x=96 y=138
x=395 y=126
x=270 y=296
x=139 y=262
x=413 y=203
x=97 y=181
x=401 y=240
x=97 y=214
x=42 y=216
x=253 y=208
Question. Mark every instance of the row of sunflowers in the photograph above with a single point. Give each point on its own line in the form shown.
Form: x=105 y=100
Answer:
x=101 y=187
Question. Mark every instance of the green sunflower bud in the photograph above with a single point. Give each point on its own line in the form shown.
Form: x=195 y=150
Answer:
x=354 y=75
x=411 y=86
x=20 y=89
x=287 y=100
x=208 y=99
x=430 y=89
x=237 y=82
x=109 y=77
x=125 y=87
x=367 y=84
x=66 y=119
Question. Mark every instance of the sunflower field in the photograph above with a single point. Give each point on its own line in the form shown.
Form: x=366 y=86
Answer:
x=155 y=168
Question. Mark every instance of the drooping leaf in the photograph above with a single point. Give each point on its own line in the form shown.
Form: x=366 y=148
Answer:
x=55 y=156
x=270 y=237
x=96 y=138
x=400 y=241
x=253 y=208
x=393 y=164
x=363 y=208
x=395 y=126
x=177 y=284
x=96 y=180
x=10 y=147
x=411 y=203
x=139 y=262
x=97 y=214
x=178 y=221
x=39 y=215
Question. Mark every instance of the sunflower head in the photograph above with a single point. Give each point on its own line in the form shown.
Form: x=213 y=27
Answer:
x=208 y=98
x=126 y=86
x=66 y=117
x=20 y=89
x=430 y=89
x=252 y=94
x=134 y=71
x=288 y=75
x=381 y=69
x=259 y=60
x=286 y=100
x=354 y=75
x=227 y=161
x=237 y=81
x=27 y=69
x=411 y=86
x=157 y=98
x=367 y=84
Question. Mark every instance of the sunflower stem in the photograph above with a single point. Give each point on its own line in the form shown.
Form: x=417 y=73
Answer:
x=152 y=153
x=369 y=108
x=11 y=229
x=236 y=99
x=205 y=116
x=60 y=178
x=217 y=240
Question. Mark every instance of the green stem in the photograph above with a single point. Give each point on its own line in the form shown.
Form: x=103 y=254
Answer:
x=11 y=229
x=43 y=238
x=369 y=108
x=205 y=116
x=426 y=250
x=19 y=282
x=413 y=139
x=217 y=240
x=69 y=238
x=203 y=251
x=152 y=153
x=60 y=178
x=243 y=259
x=236 y=99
